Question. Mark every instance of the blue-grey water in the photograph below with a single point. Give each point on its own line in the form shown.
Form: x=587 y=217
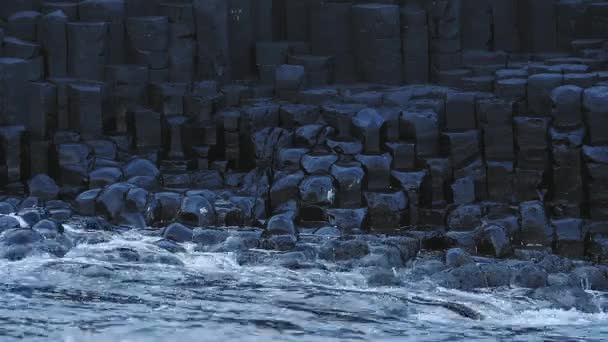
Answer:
x=94 y=295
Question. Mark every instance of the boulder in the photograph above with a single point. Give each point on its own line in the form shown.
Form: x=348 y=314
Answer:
x=534 y=226
x=464 y=217
x=317 y=190
x=281 y=224
x=343 y=250
x=104 y=176
x=590 y=278
x=456 y=257
x=8 y=222
x=466 y=277
x=85 y=202
x=140 y=167
x=177 y=232
x=347 y=220
x=494 y=240
x=529 y=276
x=111 y=200
x=318 y=163
x=196 y=211
x=285 y=189
x=44 y=187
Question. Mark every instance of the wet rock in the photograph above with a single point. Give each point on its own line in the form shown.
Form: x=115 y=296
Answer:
x=569 y=237
x=318 y=164
x=104 y=176
x=169 y=204
x=7 y=208
x=279 y=242
x=368 y=124
x=377 y=169
x=307 y=135
x=381 y=277
x=567 y=298
x=598 y=249
x=534 y=226
x=529 y=276
x=408 y=247
x=328 y=231
x=44 y=187
x=177 y=232
x=285 y=189
x=140 y=167
x=196 y=211
x=281 y=224
x=289 y=158
x=317 y=190
x=20 y=236
x=496 y=274
x=382 y=256
x=85 y=202
x=495 y=240
x=146 y=182
x=567 y=105
x=48 y=229
x=464 y=217
x=339 y=250
x=32 y=215
x=208 y=237
x=298 y=115
x=111 y=200
x=466 y=277
x=555 y=264
x=8 y=222
x=347 y=220
x=31 y=203
x=423 y=127
x=456 y=257
x=240 y=242
x=349 y=180
x=590 y=278
x=137 y=199
x=386 y=210
x=170 y=246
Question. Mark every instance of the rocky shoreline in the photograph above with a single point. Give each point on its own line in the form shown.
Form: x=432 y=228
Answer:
x=303 y=149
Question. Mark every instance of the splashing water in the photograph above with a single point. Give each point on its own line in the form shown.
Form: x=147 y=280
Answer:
x=97 y=293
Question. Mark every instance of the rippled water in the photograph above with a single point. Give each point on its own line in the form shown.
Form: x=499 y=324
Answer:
x=92 y=296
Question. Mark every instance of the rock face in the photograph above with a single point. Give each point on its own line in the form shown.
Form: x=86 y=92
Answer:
x=138 y=113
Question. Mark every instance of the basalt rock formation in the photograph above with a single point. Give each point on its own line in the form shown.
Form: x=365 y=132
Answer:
x=479 y=124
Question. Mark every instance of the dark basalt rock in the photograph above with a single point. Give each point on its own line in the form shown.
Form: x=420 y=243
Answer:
x=281 y=224
x=466 y=277
x=44 y=187
x=8 y=222
x=20 y=236
x=48 y=229
x=382 y=277
x=566 y=298
x=170 y=245
x=456 y=257
x=177 y=232
x=339 y=250
x=7 y=208
x=529 y=276
x=196 y=211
